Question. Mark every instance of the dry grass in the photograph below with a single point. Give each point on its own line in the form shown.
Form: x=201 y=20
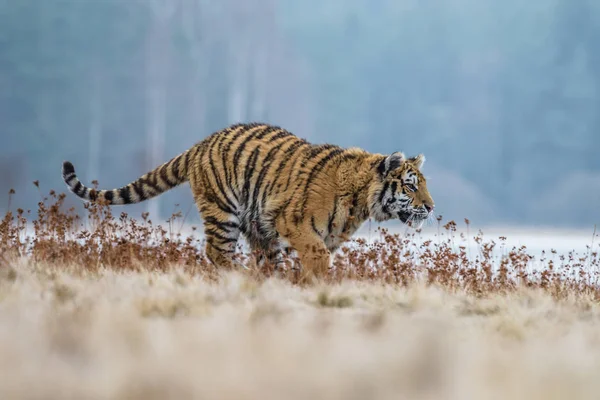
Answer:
x=113 y=308
x=68 y=334
x=61 y=237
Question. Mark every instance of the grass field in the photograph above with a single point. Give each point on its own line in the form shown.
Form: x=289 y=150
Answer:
x=100 y=307
x=65 y=334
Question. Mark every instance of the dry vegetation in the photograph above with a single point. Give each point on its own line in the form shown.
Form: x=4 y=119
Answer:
x=98 y=307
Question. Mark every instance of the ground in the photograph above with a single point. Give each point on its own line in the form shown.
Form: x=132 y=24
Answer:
x=68 y=334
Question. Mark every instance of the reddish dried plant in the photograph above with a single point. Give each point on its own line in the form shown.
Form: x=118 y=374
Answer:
x=60 y=237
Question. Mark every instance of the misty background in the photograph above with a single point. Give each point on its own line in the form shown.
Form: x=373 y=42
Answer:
x=502 y=97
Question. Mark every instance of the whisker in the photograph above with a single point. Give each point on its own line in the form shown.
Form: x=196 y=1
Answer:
x=430 y=219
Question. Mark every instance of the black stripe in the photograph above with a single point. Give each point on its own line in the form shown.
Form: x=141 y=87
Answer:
x=155 y=180
x=68 y=168
x=70 y=178
x=233 y=127
x=280 y=134
x=226 y=182
x=220 y=224
x=209 y=190
x=220 y=151
x=394 y=186
x=383 y=191
x=354 y=204
x=258 y=183
x=250 y=165
x=153 y=186
x=210 y=241
x=186 y=161
x=239 y=151
x=213 y=168
x=250 y=170
x=191 y=156
x=268 y=129
x=375 y=163
x=351 y=213
x=164 y=176
x=332 y=216
x=263 y=200
x=266 y=166
x=220 y=228
x=316 y=150
x=77 y=188
x=138 y=190
x=108 y=195
x=347 y=156
x=215 y=234
x=298 y=212
x=253 y=206
x=281 y=208
x=125 y=195
x=314 y=226
x=175 y=168
x=381 y=167
x=289 y=179
x=364 y=212
x=202 y=152
x=217 y=201
x=313 y=173
x=312 y=153
x=151 y=179
x=227 y=177
x=286 y=157
x=225 y=153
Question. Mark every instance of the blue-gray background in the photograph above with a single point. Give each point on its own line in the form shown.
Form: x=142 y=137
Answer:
x=503 y=97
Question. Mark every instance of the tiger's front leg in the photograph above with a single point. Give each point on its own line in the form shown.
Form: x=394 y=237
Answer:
x=313 y=254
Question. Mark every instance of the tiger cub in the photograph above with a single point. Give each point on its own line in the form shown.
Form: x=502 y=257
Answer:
x=280 y=192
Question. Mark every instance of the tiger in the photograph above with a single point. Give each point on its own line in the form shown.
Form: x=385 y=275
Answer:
x=280 y=192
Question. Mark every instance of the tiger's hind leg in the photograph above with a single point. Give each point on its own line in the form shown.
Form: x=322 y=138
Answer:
x=277 y=258
x=222 y=232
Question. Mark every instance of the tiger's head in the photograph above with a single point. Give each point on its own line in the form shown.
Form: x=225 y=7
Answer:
x=400 y=191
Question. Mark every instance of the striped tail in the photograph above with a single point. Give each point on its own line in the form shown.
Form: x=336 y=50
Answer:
x=166 y=177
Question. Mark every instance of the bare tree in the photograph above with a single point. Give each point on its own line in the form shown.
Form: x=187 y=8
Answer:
x=262 y=57
x=240 y=41
x=157 y=65
x=96 y=125
x=196 y=28
x=238 y=87
x=251 y=36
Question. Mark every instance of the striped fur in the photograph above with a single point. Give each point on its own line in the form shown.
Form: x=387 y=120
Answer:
x=280 y=192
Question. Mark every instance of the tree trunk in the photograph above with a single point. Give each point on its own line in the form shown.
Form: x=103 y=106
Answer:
x=259 y=100
x=96 y=126
x=238 y=89
x=156 y=70
x=193 y=24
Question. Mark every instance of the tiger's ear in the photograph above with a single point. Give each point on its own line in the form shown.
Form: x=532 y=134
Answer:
x=417 y=161
x=390 y=163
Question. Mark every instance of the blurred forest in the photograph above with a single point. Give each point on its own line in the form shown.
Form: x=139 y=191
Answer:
x=503 y=97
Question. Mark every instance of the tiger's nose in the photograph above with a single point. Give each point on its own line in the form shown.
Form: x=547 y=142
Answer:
x=429 y=207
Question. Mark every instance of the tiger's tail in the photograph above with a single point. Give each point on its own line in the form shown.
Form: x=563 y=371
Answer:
x=161 y=179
